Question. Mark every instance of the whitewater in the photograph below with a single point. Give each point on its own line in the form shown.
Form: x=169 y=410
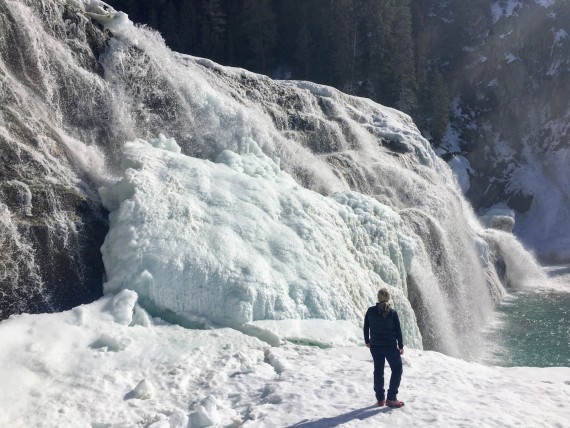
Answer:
x=250 y=224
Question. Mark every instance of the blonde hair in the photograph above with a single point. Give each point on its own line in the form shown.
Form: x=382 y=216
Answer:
x=384 y=304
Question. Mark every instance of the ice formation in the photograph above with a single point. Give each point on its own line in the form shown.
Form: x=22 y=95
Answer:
x=239 y=240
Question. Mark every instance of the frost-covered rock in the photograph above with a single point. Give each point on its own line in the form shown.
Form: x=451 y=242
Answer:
x=499 y=217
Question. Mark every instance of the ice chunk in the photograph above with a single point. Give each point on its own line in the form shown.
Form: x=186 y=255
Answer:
x=205 y=414
x=500 y=217
x=111 y=343
x=162 y=424
x=165 y=143
x=143 y=390
x=117 y=22
x=320 y=90
x=178 y=419
x=123 y=306
x=275 y=361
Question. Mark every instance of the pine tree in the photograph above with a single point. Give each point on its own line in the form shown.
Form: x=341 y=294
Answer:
x=379 y=70
x=403 y=60
x=213 y=30
x=169 y=26
x=345 y=20
x=189 y=26
x=324 y=35
x=260 y=30
x=303 y=50
x=153 y=18
x=438 y=106
x=235 y=39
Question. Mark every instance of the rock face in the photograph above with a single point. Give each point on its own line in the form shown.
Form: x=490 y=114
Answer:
x=51 y=222
x=510 y=114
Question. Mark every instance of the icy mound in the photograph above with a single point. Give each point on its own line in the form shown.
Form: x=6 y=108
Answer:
x=82 y=368
x=238 y=241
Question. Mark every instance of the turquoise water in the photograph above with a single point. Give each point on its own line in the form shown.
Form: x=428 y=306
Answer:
x=533 y=328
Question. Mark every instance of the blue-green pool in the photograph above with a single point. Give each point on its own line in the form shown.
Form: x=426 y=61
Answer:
x=533 y=328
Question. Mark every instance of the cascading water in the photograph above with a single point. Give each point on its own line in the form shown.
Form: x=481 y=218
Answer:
x=73 y=93
x=47 y=147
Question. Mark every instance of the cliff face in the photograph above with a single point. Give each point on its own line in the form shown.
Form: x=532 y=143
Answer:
x=51 y=223
x=511 y=117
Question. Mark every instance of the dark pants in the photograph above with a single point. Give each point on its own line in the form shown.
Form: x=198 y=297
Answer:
x=380 y=353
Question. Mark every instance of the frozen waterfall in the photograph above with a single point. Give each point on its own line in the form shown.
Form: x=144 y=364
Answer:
x=317 y=198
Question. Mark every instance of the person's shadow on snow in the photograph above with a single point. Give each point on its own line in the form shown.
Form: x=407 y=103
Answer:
x=360 y=414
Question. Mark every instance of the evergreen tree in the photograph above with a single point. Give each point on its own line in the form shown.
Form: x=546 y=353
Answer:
x=380 y=72
x=324 y=34
x=303 y=52
x=436 y=107
x=403 y=58
x=213 y=30
x=260 y=30
x=170 y=26
x=235 y=39
x=345 y=21
x=188 y=21
x=151 y=13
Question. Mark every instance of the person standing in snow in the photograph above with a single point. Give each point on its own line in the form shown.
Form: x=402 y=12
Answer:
x=383 y=335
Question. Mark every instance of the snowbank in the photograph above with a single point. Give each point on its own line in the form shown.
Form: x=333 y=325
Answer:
x=82 y=368
x=85 y=367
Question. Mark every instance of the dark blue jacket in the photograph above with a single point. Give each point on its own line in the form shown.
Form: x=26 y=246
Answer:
x=382 y=331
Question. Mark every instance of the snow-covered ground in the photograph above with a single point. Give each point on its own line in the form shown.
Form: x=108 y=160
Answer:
x=87 y=368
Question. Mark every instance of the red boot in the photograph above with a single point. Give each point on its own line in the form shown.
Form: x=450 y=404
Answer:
x=381 y=403
x=395 y=403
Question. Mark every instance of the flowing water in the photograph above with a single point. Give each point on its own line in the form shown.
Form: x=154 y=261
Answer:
x=533 y=327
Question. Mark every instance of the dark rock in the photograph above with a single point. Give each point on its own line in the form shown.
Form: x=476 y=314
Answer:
x=520 y=202
x=397 y=146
